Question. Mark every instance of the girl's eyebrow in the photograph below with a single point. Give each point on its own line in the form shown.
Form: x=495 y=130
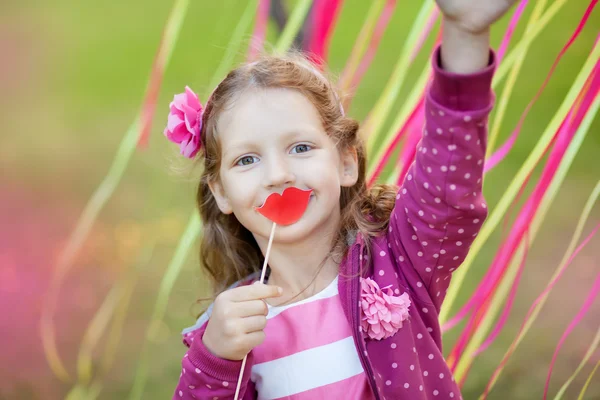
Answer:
x=296 y=133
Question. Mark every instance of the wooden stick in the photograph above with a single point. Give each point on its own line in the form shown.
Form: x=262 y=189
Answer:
x=262 y=279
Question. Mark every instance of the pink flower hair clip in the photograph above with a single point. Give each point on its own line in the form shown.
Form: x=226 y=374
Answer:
x=185 y=122
x=383 y=313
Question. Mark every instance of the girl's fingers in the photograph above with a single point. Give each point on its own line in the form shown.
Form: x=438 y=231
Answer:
x=250 y=308
x=253 y=339
x=254 y=292
x=254 y=324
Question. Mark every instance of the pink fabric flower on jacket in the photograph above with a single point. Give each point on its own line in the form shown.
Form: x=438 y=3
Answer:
x=185 y=122
x=383 y=312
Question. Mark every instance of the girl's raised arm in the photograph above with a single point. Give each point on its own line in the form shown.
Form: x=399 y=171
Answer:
x=440 y=206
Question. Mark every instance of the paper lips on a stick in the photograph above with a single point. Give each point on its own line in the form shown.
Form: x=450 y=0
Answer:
x=285 y=208
x=281 y=209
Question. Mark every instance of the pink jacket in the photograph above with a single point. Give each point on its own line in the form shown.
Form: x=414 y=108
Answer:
x=439 y=211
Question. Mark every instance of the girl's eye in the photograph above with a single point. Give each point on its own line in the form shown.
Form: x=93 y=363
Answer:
x=301 y=148
x=247 y=160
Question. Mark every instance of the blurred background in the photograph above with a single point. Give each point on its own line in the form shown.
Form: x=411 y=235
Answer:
x=72 y=79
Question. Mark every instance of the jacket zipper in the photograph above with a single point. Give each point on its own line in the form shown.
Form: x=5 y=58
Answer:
x=354 y=288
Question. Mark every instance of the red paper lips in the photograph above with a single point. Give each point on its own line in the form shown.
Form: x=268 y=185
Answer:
x=285 y=208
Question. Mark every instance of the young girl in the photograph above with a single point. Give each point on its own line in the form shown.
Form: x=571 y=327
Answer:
x=350 y=309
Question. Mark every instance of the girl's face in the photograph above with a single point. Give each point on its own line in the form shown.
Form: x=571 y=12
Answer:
x=272 y=139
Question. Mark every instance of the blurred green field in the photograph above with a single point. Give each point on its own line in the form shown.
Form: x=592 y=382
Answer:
x=71 y=81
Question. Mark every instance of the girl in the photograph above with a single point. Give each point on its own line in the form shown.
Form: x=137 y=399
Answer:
x=355 y=286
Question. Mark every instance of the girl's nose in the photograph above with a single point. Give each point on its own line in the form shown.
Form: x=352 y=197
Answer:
x=278 y=173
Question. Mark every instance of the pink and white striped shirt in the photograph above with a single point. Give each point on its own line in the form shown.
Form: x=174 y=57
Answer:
x=309 y=352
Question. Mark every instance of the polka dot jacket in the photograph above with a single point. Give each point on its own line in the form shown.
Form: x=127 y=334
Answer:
x=439 y=211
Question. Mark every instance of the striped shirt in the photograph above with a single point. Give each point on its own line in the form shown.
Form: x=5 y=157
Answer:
x=309 y=352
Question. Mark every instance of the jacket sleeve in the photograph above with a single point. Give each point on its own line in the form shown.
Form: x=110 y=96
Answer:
x=440 y=206
x=205 y=376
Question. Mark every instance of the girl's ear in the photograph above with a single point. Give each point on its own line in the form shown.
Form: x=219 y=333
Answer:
x=349 y=165
x=219 y=194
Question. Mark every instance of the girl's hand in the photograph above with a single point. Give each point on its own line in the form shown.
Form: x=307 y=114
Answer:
x=238 y=319
x=474 y=16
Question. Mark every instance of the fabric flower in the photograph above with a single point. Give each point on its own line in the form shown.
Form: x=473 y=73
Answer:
x=185 y=122
x=383 y=312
